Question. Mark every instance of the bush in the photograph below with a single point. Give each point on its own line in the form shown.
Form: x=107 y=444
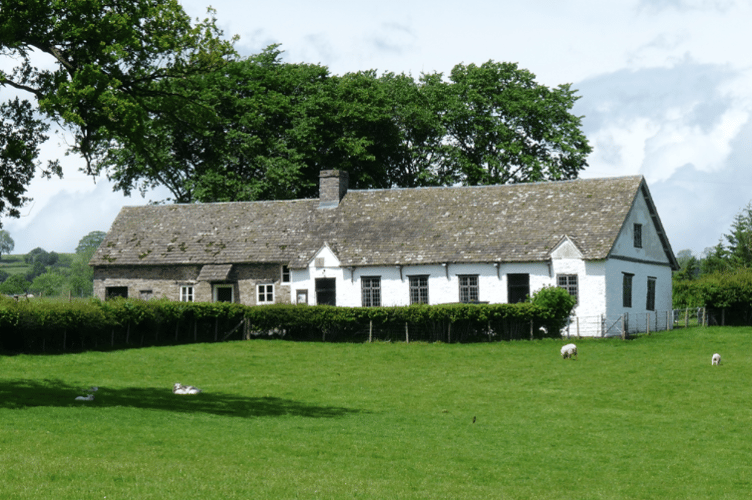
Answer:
x=558 y=304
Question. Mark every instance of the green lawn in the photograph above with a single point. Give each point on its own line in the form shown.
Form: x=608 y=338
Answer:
x=643 y=419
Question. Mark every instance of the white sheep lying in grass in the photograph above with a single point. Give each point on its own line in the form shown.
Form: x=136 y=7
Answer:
x=185 y=389
x=569 y=351
x=716 y=359
x=90 y=397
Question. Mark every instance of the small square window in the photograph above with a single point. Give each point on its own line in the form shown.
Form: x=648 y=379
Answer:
x=569 y=283
x=265 y=294
x=186 y=294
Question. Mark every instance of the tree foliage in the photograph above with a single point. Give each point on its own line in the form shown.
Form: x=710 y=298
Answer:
x=153 y=99
x=274 y=126
x=6 y=242
x=101 y=69
x=89 y=243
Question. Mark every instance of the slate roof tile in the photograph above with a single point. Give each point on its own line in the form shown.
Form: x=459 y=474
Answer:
x=508 y=223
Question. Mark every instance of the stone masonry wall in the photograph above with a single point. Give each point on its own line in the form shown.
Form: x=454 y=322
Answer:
x=149 y=282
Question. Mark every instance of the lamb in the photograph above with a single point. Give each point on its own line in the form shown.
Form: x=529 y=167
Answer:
x=569 y=351
x=716 y=359
x=90 y=397
x=185 y=389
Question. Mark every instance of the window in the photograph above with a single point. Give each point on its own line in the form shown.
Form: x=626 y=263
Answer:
x=371 y=291
x=627 y=289
x=569 y=283
x=638 y=235
x=223 y=293
x=145 y=294
x=650 y=306
x=112 y=292
x=301 y=297
x=326 y=291
x=285 y=274
x=186 y=294
x=265 y=294
x=468 y=289
x=418 y=289
x=518 y=287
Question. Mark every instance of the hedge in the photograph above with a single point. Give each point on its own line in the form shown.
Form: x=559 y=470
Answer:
x=728 y=291
x=35 y=326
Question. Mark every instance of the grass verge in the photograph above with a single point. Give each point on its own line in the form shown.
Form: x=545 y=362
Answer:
x=648 y=418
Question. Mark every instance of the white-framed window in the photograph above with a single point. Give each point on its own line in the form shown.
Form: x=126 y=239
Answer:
x=569 y=283
x=186 y=294
x=469 y=289
x=223 y=293
x=265 y=294
x=371 y=291
x=285 y=274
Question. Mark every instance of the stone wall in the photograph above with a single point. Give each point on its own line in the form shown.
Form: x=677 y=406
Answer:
x=155 y=282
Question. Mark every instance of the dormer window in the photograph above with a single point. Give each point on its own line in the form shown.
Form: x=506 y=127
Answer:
x=638 y=235
x=285 y=274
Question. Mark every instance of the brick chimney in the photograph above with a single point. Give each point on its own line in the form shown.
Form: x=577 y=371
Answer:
x=333 y=185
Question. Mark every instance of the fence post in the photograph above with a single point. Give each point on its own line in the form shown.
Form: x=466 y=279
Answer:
x=449 y=333
x=686 y=317
x=577 y=319
x=671 y=324
x=647 y=323
x=370 y=331
x=623 y=331
x=531 y=330
x=407 y=334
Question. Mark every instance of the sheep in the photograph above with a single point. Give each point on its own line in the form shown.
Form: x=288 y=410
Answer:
x=185 y=389
x=716 y=359
x=90 y=397
x=569 y=351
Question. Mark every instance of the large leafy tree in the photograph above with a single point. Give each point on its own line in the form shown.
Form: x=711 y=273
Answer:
x=504 y=127
x=100 y=69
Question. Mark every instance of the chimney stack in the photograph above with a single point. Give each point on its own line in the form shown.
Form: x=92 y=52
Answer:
x=333 y=185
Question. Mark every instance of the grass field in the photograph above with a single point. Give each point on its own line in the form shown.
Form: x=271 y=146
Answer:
x=648 y=418
x=14 y=264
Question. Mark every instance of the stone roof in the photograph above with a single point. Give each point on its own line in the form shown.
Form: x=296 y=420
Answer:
x=508 y=223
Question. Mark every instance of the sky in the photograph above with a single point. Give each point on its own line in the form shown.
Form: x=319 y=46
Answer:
x=665 y=90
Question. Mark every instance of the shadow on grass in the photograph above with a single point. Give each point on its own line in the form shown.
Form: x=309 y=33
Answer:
x=19 y=394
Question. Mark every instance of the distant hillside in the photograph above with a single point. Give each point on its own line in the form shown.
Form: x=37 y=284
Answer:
x=14 y=264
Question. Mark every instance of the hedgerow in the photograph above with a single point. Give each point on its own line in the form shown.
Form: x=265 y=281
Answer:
x=35 y=326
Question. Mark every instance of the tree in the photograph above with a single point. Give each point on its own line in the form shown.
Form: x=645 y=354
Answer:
x=42 y=256
x=21 y=134
x=89 y=243
x=14 y=285
x=689 y=266
x=504 y=127
x=278 y=125
x=6 y=242
x=48 y=284
x=107 y=82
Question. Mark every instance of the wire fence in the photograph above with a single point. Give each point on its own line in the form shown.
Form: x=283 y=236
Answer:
x=627 y=324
